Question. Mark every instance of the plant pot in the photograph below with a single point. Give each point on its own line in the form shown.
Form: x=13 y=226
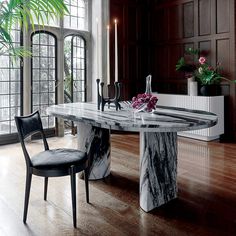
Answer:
x=210 y=90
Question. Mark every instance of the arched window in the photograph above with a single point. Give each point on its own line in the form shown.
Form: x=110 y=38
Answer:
x=74 y=69
x=10 y=89
x=44 y=75
x=77 y=19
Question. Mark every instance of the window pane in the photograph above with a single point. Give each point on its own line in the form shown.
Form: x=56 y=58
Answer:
x=52 y=75
x=4 y=101
x=44 y=39
x=44 y=62
x=15 y=87
x=51 y=63
x=51 y=86
x=4 y=62
x=4 y=74
x=36 y=98
x=15 y=100
x=51 y=50
x=36 y=50
x=35 y=73
x=35 y=87
x=15 y=75
x=66 y=21
x=44 y=88
x=4 y=88
x=36 y=39
x=43 y=74
x=15 y=111
x=44 y=98
x=35 y=62
x=43 y=51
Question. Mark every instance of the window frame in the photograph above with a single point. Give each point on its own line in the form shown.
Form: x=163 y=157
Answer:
x=52 y=130
x=85 y=64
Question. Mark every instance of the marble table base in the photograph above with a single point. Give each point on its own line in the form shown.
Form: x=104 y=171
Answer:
x=158 y=162
x=158 y=169
x=96 y=142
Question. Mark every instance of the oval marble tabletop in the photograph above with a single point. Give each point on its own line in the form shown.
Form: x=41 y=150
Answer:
x=163 y=119
x=158 y=142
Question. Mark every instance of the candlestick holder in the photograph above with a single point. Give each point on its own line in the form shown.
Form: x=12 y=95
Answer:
x=103 y=100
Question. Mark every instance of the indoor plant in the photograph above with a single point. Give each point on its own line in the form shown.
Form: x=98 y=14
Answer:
x=23 y=13
x=206 y=75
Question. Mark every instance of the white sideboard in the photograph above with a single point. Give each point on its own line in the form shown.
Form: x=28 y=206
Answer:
x=213 y=104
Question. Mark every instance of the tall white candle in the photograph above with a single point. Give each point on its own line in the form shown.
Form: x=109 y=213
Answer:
x=116 y=52
x=97 y=51
x=108 y=55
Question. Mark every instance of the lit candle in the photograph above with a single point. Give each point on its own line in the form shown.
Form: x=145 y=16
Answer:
x=116 y=53
x=108 y=55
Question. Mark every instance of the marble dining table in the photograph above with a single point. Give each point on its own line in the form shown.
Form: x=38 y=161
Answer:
x=158 y=142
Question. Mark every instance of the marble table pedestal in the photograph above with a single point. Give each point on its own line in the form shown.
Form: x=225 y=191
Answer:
x=158 y=162
x=158 y=169
x=96 y=142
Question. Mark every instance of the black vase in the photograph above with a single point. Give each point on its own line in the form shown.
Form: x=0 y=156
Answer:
x=210 y=90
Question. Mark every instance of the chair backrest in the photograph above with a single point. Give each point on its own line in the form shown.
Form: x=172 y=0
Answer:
x=26 y=126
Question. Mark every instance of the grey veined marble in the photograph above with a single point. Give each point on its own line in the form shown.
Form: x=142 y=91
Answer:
x=158 y=169
x=163 y=119
x=96 y=142
x=158 y=142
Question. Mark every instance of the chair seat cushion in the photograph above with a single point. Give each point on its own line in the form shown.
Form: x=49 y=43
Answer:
x=56 y=158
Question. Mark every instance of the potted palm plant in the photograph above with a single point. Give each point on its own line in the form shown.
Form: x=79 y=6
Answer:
x=23 y=13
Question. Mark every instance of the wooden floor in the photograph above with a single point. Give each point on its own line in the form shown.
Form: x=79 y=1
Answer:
x=206 y=204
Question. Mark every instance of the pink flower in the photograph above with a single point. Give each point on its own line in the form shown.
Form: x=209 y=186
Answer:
x=143 y=99
x=202 y=60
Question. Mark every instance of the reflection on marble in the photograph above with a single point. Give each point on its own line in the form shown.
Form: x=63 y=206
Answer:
x=96 y=142
x=158 y=169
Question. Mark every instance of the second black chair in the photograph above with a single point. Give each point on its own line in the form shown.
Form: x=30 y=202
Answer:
x=50 y=163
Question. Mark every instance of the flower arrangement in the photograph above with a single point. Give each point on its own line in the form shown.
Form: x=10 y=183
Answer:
x=206 y=74
x=203 y=72
x=146 y=102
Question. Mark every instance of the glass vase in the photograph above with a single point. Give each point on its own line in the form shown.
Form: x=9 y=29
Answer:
x=148 y=85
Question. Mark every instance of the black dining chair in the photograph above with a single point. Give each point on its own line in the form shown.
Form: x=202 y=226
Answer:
x=50 y=162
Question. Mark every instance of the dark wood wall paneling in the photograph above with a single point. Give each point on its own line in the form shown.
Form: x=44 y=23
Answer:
x=133 y=44
x=154 y=34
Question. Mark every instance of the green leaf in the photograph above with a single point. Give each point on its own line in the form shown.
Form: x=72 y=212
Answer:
x=180 y=64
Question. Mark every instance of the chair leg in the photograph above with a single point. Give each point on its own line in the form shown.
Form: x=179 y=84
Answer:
x=27 y=194
x=45 y=188
x=73 y=194
x=86 y=175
